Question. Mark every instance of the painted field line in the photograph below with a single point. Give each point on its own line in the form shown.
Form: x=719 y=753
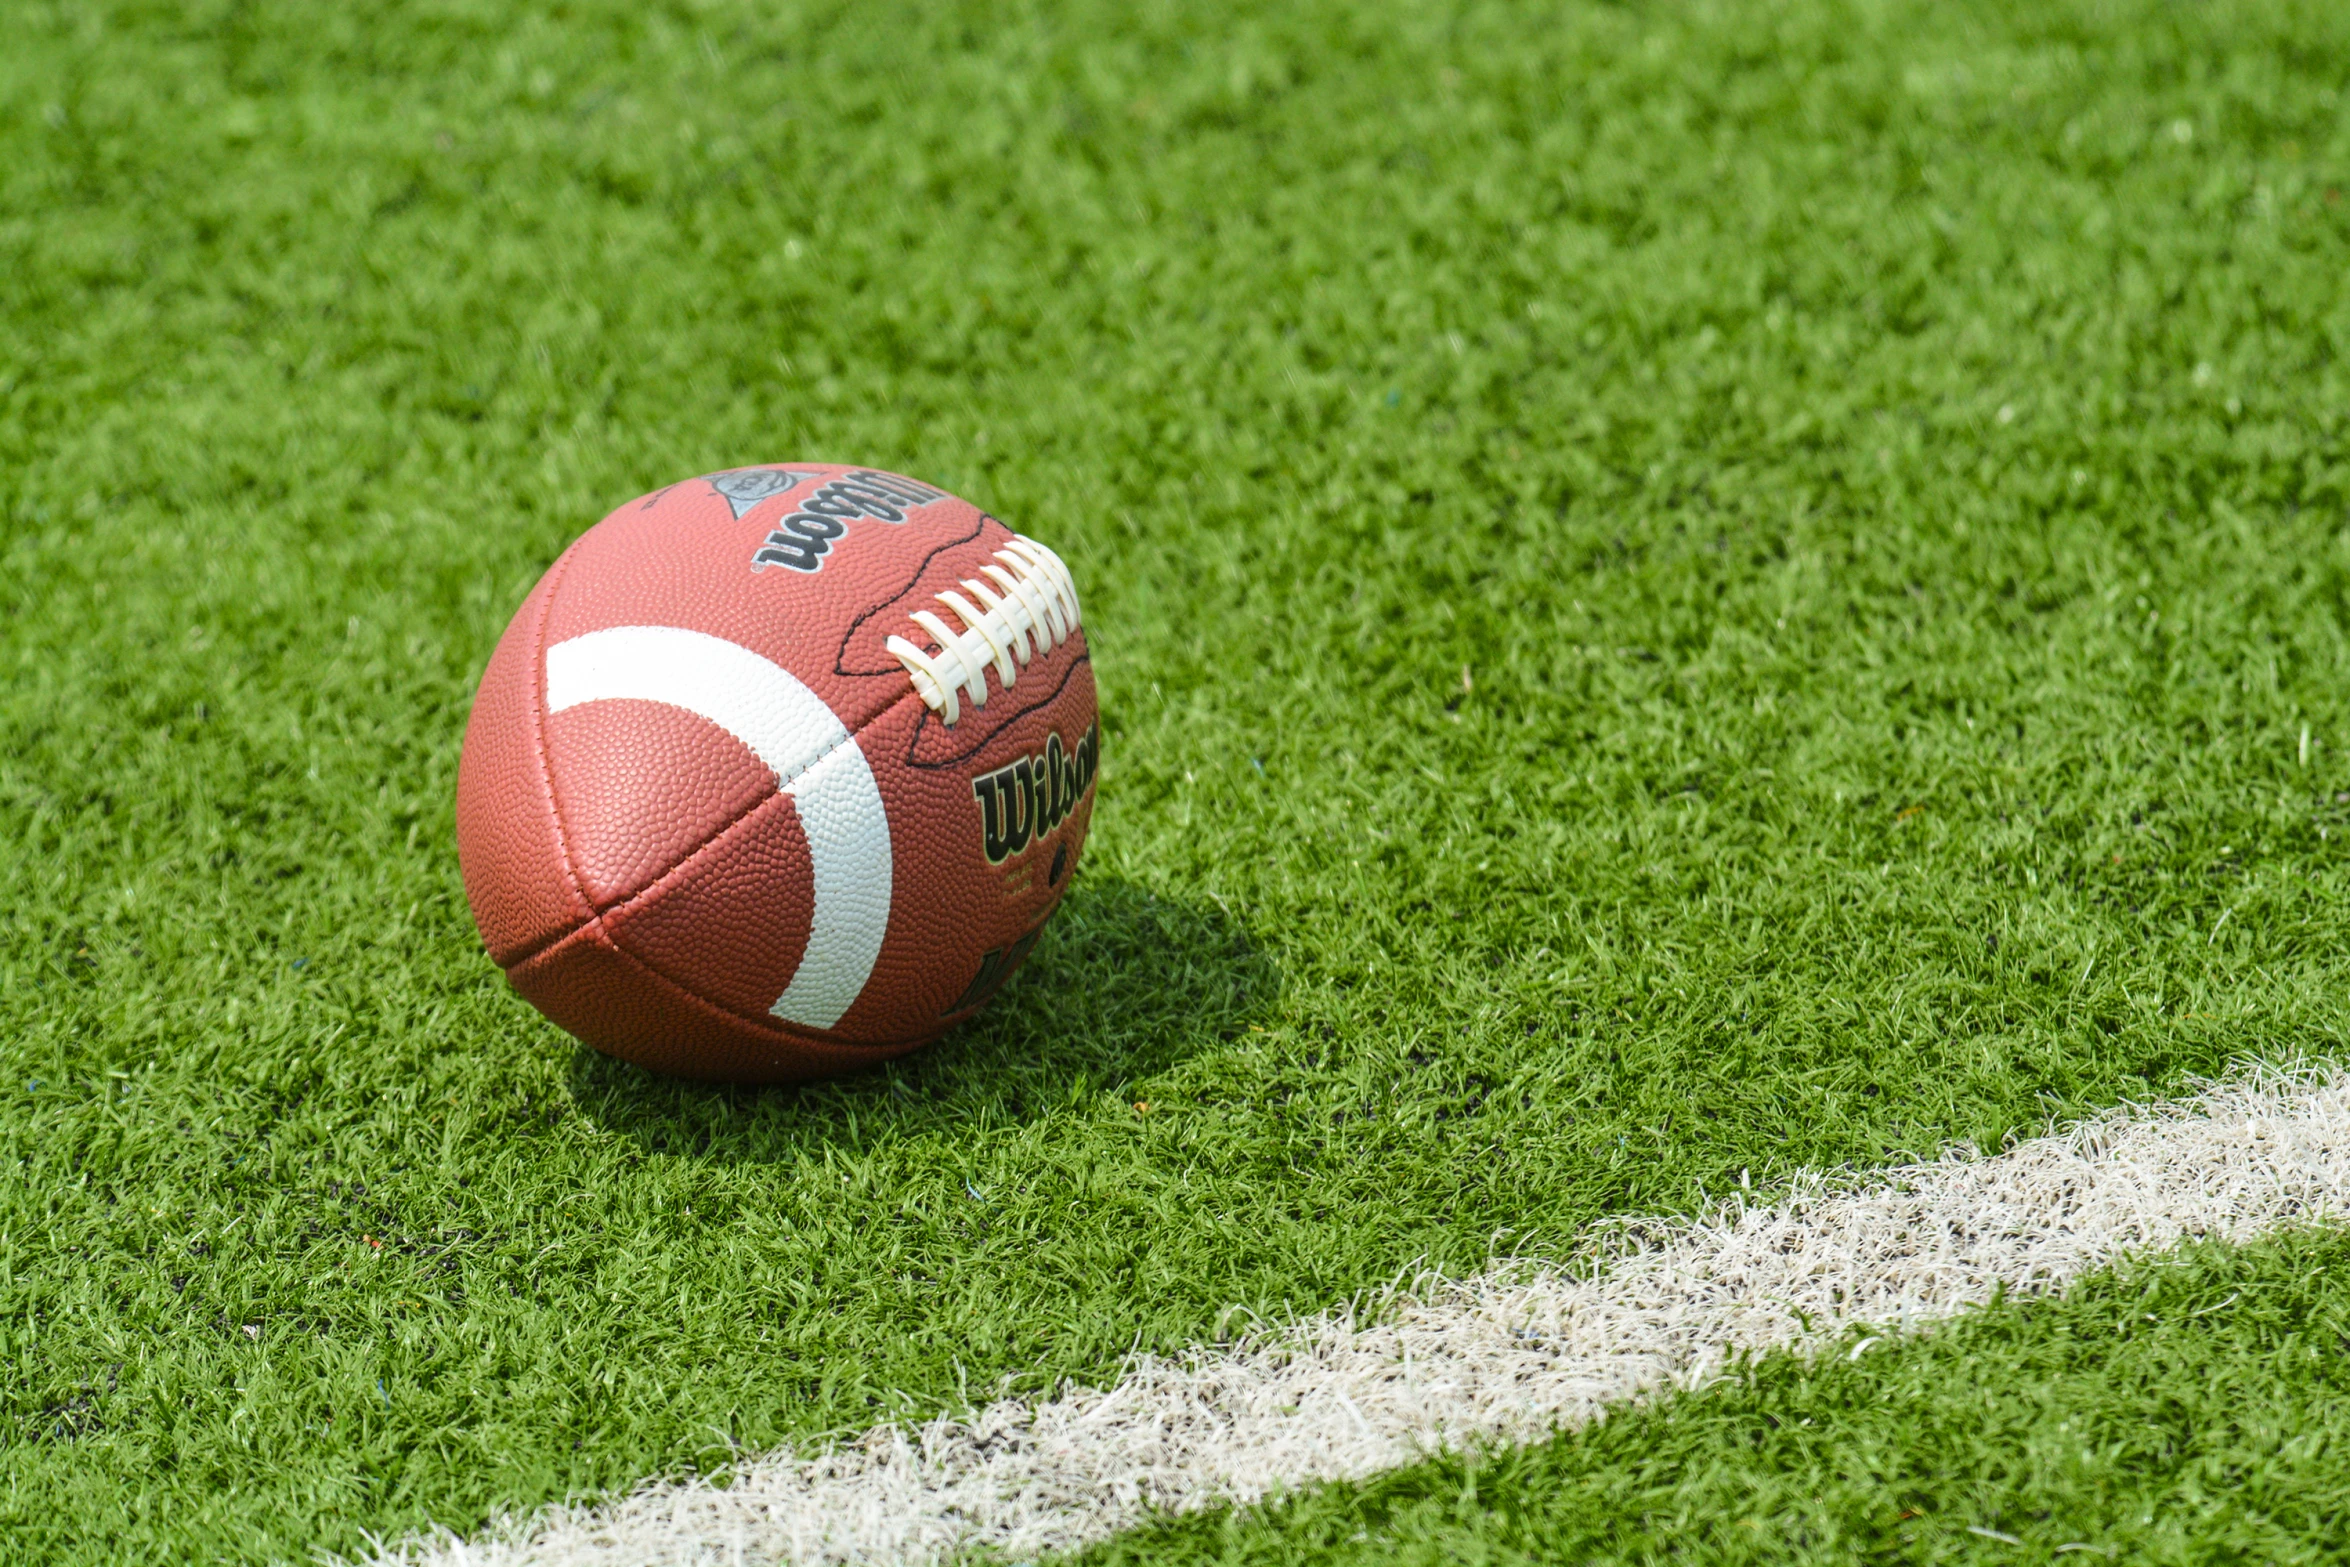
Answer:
x=1512 y=1353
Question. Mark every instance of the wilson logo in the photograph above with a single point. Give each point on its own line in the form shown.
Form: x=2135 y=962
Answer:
x=802 y=540
x=1021 y=804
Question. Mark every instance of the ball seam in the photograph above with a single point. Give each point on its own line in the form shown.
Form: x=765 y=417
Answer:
x=761 y=1027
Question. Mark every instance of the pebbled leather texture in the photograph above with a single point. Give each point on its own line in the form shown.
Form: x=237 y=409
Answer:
x=724 y=838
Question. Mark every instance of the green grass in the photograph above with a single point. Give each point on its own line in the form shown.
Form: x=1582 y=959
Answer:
x=2191 y=1408
x=1677 y=589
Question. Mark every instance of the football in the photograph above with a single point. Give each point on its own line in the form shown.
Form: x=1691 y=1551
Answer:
x=778 y=772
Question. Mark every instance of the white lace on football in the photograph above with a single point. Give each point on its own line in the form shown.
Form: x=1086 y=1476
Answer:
x=1034 y=612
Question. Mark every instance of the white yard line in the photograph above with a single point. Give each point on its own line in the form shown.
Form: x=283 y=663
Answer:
x=1512 y=1353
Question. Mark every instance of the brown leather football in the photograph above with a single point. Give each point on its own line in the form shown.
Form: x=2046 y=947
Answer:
x=778 y=772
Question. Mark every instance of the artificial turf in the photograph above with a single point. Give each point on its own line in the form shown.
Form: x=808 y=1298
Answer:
x=2191 y=1407
x=1677 y=590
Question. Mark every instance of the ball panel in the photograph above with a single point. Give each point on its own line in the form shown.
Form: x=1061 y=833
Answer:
x=509 y=839
x=683 y=557
x=846 y=865
x=961 y=921
x=639 y=786
x=600 y=995
x=731 y=924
